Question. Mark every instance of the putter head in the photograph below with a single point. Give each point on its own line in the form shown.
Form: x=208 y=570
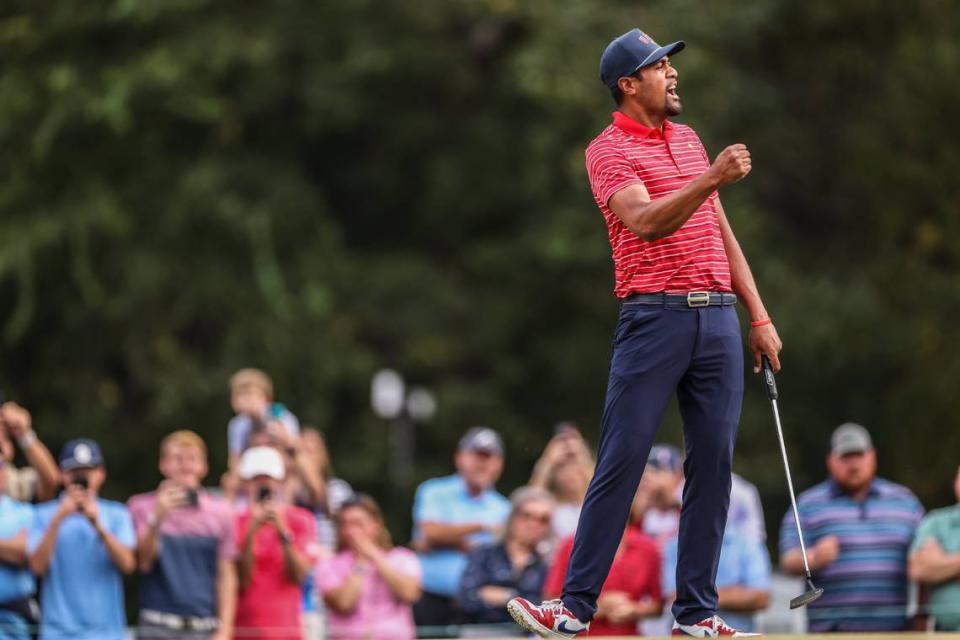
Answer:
x=813 y=592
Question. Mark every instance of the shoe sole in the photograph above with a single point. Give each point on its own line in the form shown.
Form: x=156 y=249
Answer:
x=522 y=618
x=680 y=633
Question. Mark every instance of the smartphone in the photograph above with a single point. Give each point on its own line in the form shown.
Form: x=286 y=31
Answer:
x=192 y=497
x=566 y=428
x=264 y=494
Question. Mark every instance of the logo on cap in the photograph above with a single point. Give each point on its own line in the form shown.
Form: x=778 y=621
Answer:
x=645 y=39
x=83 y=454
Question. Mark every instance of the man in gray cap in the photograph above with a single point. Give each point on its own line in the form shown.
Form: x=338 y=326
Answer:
x=454 y=514
x=858 y=529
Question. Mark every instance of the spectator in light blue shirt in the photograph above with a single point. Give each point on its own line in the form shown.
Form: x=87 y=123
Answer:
x=80 y=545
x=16 y=581
x=743 y=576
x=453 y=515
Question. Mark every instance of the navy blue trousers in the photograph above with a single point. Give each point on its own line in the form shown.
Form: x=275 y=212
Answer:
x=659 y=350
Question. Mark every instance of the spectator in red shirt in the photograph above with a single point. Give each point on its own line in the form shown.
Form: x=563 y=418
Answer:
x=632 y=589
x=277 y=545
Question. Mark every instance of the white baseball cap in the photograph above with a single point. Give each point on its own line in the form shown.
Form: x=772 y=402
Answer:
x=262 y=461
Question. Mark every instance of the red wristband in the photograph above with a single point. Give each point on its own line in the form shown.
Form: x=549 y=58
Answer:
x=760 y=323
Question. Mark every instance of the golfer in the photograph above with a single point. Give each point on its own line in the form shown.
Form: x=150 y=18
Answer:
x=677 y=265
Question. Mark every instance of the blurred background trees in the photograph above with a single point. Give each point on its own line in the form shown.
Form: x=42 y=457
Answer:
x=325 y=189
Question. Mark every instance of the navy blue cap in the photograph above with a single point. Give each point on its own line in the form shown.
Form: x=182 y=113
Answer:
x=665 y=457
x=630 y=52
x=80 y=454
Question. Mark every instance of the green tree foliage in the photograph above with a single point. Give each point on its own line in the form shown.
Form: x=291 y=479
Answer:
x=321 y=189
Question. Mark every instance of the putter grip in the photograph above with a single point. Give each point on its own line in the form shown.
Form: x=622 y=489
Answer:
x=768 y=379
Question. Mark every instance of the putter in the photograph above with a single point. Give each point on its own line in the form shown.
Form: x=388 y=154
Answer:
x=813 y=592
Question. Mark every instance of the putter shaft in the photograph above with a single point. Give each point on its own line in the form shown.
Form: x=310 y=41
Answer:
x=793 y=499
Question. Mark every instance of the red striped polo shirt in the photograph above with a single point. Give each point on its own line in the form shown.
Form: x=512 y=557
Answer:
x=692 y=258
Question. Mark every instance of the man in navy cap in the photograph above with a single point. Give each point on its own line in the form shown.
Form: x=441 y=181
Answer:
x=80 y=545
x=679 y=272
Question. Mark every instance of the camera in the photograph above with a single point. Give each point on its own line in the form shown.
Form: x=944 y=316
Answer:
x=192 y=498
x=264 y=494
x=81 y=481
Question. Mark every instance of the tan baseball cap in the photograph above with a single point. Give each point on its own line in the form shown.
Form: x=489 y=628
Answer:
x=850 y=437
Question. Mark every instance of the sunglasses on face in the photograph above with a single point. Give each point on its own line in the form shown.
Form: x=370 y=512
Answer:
x=542 y=518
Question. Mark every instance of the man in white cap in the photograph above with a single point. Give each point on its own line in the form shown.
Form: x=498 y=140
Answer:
x=277 y=549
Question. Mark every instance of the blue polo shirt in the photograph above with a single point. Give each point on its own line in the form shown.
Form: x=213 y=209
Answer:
x=16 y=583
x=865 y=589
x=82 y=592
x=447 y=501
x=744 y=562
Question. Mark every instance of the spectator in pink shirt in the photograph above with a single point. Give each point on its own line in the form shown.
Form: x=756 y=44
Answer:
x=369 y=585
x=277 y=550
x=186 y=549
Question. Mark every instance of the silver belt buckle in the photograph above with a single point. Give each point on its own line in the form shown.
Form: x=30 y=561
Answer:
x=698 y=299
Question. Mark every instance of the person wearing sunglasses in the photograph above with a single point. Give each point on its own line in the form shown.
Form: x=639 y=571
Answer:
x=512 y=567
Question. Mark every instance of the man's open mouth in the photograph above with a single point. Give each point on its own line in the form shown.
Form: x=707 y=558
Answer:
x=672 y=91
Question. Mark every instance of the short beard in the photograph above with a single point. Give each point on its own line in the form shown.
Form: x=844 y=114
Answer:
x=673 y=110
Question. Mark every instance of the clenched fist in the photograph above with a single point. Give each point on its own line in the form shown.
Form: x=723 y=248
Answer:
x=732 y=165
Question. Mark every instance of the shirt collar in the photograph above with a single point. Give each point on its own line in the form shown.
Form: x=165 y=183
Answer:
x=836 y=490
x=466 y=490
x=634 y=128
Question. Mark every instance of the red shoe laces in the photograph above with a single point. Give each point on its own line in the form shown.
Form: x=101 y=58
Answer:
x=554 y=606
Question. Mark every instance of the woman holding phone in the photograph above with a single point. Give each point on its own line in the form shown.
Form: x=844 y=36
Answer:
x=277 y=544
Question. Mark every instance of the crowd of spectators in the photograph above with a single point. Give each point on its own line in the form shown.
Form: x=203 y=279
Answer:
x=282 y=549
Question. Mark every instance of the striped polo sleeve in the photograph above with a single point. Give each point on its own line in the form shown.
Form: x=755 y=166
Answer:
x=609 y=170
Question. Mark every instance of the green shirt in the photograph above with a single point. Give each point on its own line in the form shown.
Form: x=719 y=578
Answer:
x=943 y=525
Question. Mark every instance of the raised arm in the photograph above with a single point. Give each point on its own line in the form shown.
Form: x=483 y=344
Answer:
x=343 y=598
x=168 y=497
x=122 y=556
x=39 y=560
x=654 y=219
x=404 y=587
x=296 y=563
x=20 y=424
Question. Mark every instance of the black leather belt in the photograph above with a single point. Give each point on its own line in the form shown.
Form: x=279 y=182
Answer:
x=693 y=299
